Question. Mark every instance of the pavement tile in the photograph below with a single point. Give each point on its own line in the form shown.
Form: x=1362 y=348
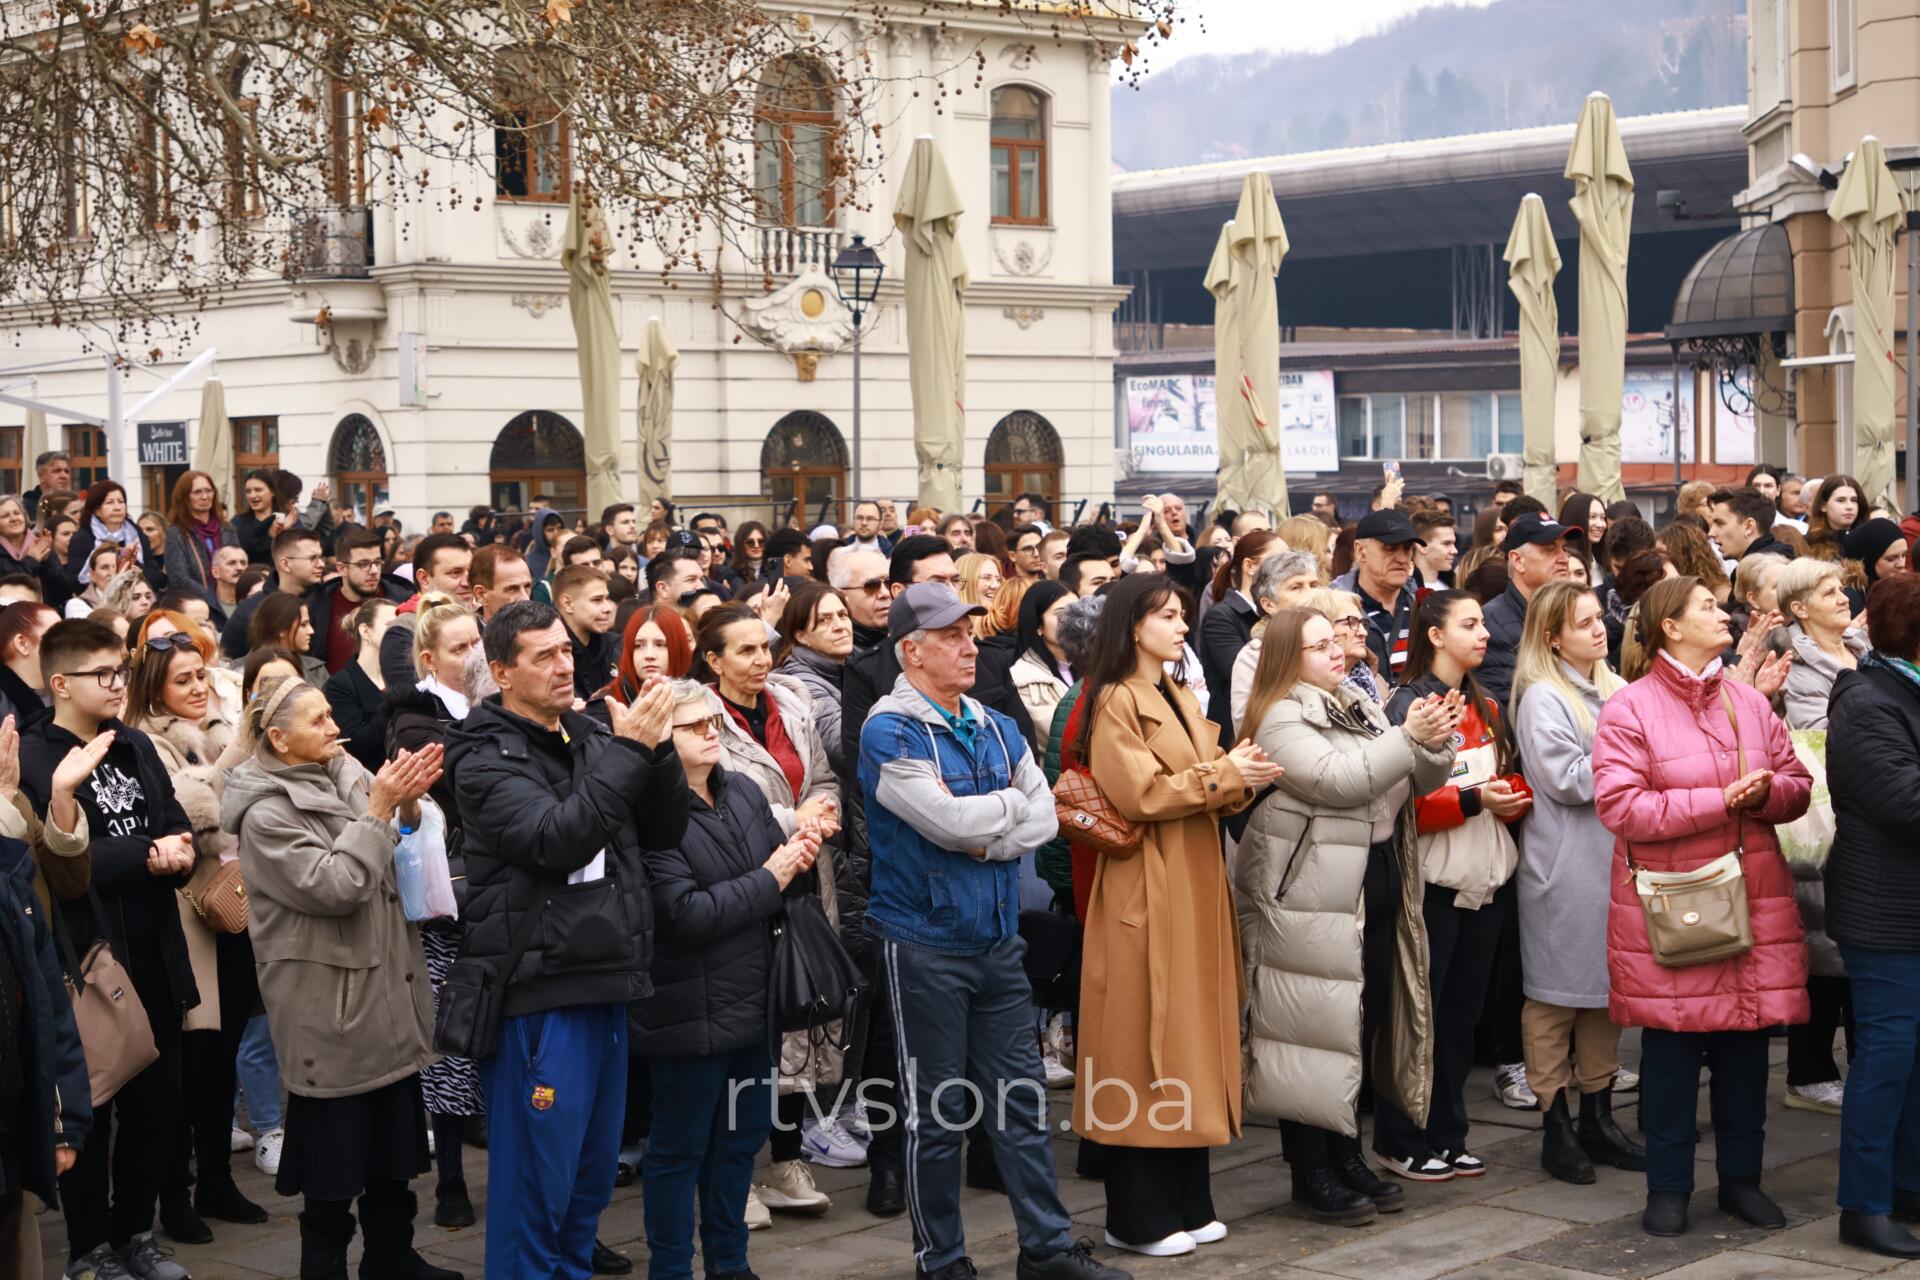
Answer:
x=1750 y=1266
x=1424 y=1248
x=1819 y=1241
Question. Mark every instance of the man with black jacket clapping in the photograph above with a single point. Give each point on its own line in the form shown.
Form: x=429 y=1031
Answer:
x=551 y=805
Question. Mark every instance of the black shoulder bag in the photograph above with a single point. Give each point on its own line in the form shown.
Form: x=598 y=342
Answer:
x=467 y=1022
x=813 y=980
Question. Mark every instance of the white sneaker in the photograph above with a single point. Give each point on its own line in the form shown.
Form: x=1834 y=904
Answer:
x=1625 y=1081
x=859 y=1123
x=1171 y=1247
x=1212 y=1233
x=266 y=1151
x=1059 y=1037
x=1511 y=1088
x=240 y=1140
x=1423 y=1168
x=1059 y=1074
x=788 y=1186
x=826 y=1142
x=1824 y=1097
x=758 y=1219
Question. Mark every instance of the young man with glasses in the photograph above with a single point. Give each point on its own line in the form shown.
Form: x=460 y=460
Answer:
x=1031 y=508
x=361 y=562
x=82 y=765
x=301 y=565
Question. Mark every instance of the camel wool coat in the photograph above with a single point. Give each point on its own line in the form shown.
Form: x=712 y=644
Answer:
x=1161 y=980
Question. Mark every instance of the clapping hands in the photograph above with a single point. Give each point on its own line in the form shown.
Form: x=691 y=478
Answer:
x=794 y=857
x=1432 y=720
x=1255 y=769
x=401 y=782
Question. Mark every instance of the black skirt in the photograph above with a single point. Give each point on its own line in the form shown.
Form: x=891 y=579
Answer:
x=335 y=1146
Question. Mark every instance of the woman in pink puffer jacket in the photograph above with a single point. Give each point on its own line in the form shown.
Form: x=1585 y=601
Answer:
x=1669 y=783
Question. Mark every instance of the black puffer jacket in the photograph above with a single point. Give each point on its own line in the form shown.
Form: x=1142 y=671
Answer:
x=536 y=805
x=870 y=672
x=1873 y=875
x=712 y=901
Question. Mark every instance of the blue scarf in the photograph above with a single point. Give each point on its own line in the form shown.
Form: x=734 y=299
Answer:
x=128 y=535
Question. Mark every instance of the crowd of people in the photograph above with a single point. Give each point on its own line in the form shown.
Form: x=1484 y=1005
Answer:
x=540 y=836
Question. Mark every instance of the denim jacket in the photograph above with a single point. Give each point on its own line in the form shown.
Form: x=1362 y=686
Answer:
x=948 y=826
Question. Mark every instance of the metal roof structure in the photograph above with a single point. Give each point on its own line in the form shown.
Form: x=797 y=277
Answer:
x=1430 y=194
x=1741 y=286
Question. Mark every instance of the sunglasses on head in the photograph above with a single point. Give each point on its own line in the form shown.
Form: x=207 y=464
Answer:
x=171 y=641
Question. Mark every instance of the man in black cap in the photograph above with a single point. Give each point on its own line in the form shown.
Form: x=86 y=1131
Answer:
x=1536 y=552
x=1382 y=578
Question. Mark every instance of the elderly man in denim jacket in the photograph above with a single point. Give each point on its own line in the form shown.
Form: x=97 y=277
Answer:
x=954 y=801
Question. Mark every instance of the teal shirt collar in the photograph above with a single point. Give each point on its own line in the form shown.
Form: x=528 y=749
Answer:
x=964 y=726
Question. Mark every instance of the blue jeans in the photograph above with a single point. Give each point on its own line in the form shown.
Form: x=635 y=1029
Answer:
x=710 y=1116
x=1880 y=1120
x=259 y=1073
x=556 y=1091
x=1670 y=1063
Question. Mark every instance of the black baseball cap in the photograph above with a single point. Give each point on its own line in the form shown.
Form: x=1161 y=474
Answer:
x=684 y=538
x=1389 y=526
x=1537 y=528
x=926 y=606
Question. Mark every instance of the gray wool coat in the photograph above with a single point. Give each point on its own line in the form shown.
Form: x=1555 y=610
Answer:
x=1566 y=855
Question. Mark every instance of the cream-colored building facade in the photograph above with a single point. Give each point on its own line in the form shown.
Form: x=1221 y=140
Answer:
x=446 y=375
x=1823 y=74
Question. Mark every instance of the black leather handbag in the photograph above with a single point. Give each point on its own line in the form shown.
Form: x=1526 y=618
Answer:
x=814 y=982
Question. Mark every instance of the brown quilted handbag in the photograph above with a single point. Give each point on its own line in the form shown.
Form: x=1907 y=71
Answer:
x=1086 y=815
x=218 y=896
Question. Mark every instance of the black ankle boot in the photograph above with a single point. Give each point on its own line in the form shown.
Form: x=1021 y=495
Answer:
x=1327 y=1199
x=1602 y=1139
x=1906 y=1205
x=386 y=1217
x=1877 y=1233
x=1747 y=1202
x=1560 y=1153
x=453 y=1207
x=179 y=1222
x=326 y=1228
x=1666 y=1214
x=219 y=1198
x=1354 y=1171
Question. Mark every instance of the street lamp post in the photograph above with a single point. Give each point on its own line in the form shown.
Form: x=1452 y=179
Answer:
x=856 y=274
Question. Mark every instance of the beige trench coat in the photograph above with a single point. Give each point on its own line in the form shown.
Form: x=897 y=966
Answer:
x=1161 y=983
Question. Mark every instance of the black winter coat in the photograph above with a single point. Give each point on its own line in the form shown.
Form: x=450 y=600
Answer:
x=713 y=899
x=57 y=1106
x=1505 y=615
x=142 y=906
x=870 y=673
x=360 y=710
x=535 y=805
x=1873 y=770
x=1224 y=631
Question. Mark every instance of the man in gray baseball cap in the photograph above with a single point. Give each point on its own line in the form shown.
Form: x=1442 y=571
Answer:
x=954 y=801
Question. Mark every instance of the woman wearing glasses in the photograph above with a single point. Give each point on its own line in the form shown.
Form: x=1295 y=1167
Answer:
x=750 y=552
x=706 y=1027
x=1349 y=619
x=197 y=526
x=171 y=700
x=84 y=759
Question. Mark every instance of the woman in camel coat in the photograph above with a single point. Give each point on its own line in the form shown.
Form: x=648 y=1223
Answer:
x=1161 y=979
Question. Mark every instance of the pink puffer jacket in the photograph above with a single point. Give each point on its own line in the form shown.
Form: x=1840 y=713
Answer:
x=1663 y=755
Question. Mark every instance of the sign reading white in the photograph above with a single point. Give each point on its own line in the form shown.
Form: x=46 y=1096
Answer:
x=1646 y=418
x=1173 y=422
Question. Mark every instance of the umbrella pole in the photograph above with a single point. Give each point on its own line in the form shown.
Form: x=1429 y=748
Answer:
x=1913 y=365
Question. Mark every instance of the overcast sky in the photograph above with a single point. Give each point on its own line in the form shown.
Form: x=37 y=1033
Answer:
x=1240 y=26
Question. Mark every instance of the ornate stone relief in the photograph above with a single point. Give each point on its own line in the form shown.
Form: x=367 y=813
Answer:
x=1020 y=55
x=528 y=236
x=1025 y=317
x=538 y=304
x=1023 y=251
x=805 y=314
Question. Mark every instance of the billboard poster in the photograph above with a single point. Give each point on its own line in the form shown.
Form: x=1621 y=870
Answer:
x=1173 y=422
x=1733 y=429
x=1646 y=417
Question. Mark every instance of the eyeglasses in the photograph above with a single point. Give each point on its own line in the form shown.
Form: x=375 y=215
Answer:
x=756 y=542
x=110 y=678
x=1328 y=645
x=872 y=586
x=363 y=565
x=1350 y=624
x=710 y=727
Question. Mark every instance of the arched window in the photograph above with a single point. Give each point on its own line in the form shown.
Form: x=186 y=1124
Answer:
x=539 y=454
x=1023 y=456
x=243 y=170
x=532 y=155
x=804 y=461
x=358 y=463
x=1017 y=140
x=793 y=139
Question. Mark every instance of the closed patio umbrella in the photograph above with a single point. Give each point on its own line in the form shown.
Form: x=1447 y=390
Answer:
x=213 y=443
x=587 y=253
x=1603 y=204
x=33 y=443
x=655 y=365
x=928 y=211
x=1867 y=206
x=1533 y=260
x=1241 y=276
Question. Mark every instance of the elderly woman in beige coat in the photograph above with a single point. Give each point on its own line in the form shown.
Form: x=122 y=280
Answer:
x=341 y=972
x=1329 y=892
x=1160 y=988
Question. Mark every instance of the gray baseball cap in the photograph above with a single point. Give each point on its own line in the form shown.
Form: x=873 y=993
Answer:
x=927 y=606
